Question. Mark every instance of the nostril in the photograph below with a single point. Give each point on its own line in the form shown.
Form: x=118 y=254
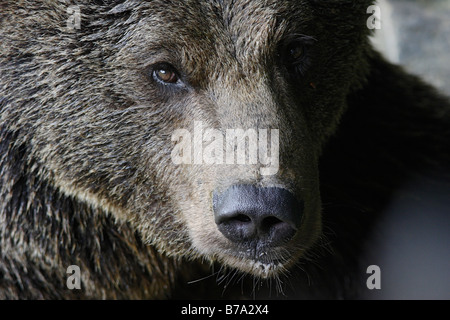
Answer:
x=268 y=222
x=233 y=218
x=237 y=226
x=242 y=218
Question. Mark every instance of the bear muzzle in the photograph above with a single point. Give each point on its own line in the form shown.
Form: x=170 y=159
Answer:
x=257 y=217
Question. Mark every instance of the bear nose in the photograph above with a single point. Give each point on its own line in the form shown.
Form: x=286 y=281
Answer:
x=269 y=215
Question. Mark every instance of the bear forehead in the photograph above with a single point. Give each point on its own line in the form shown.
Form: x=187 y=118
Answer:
x=242 y=20
x=240 y=34
x=229 y=13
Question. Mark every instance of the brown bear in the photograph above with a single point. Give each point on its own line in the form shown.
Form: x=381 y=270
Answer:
x=201 y=149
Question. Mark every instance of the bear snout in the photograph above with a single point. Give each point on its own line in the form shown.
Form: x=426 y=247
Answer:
x=253 y=216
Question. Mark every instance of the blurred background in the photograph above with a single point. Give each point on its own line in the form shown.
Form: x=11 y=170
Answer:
x=416 y=34
x=412 y=245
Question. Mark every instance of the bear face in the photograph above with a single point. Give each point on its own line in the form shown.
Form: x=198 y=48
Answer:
x=265 y=73
x=137 y=73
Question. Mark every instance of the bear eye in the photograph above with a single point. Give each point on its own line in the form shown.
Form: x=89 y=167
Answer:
x=294 y=55
x=296 y=52
x=165 y=74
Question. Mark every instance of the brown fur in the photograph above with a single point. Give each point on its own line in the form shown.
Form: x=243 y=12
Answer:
x=86 y=173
